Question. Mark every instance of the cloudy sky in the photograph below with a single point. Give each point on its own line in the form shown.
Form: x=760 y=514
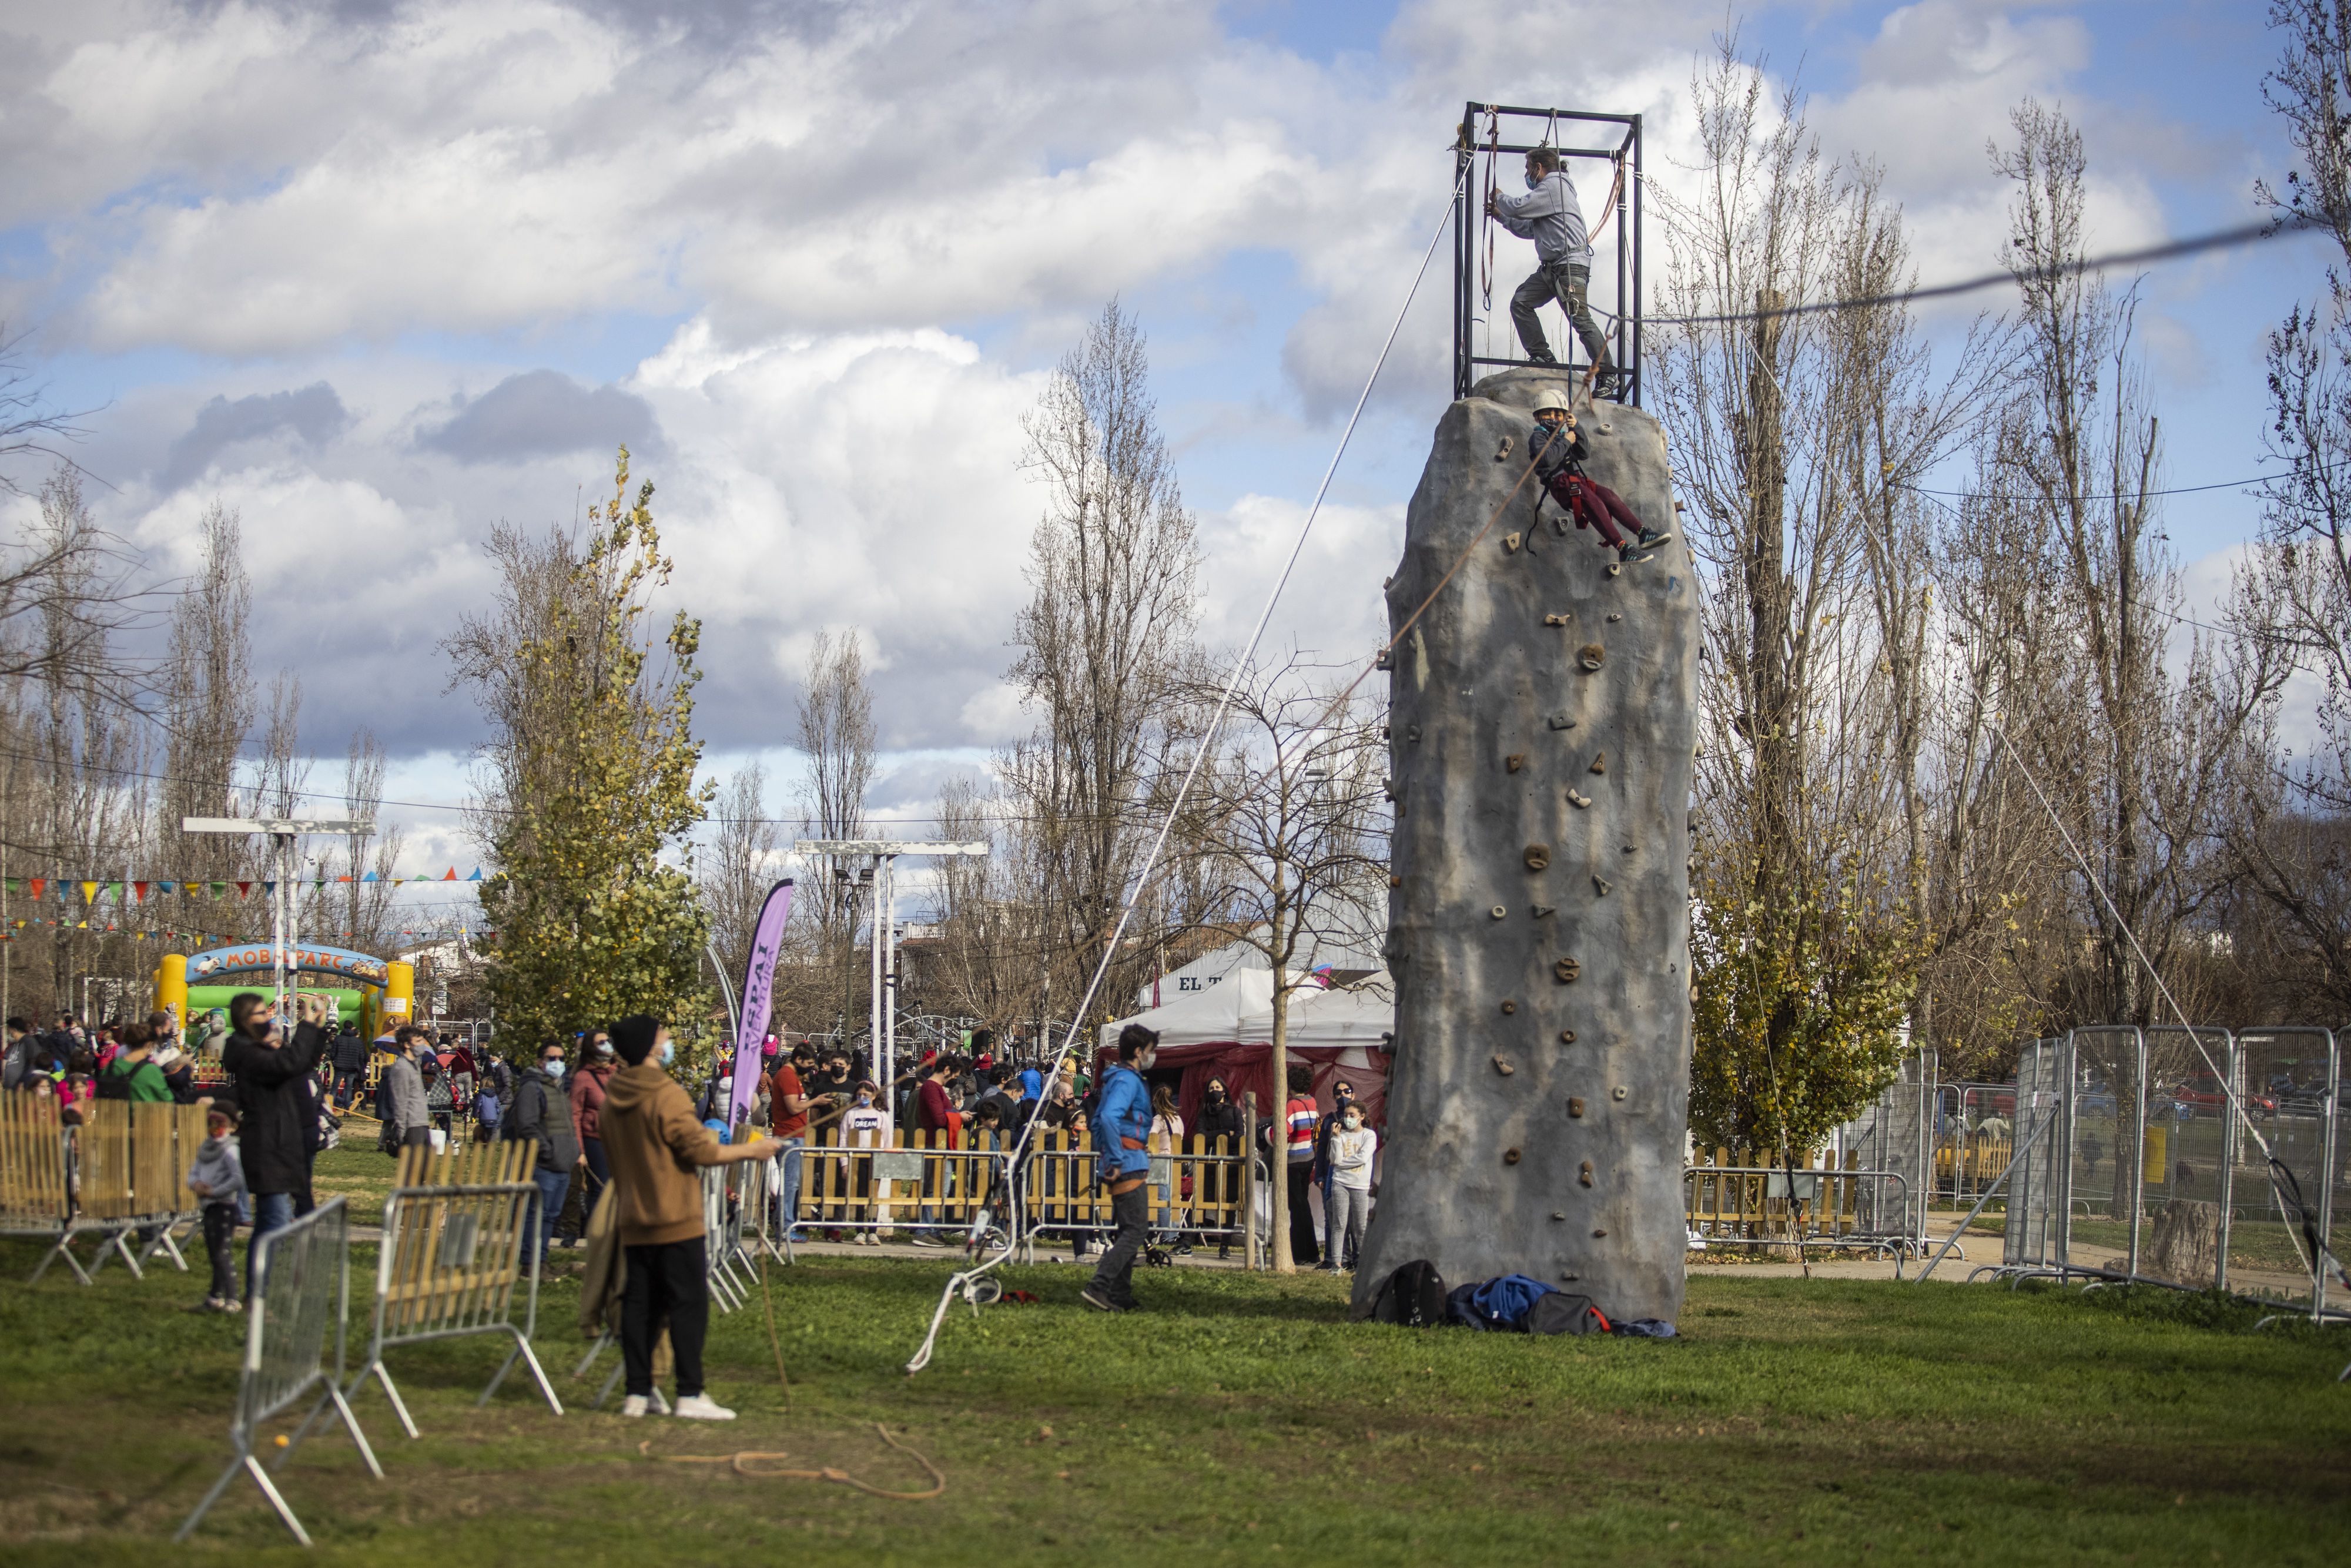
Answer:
x=379 y=275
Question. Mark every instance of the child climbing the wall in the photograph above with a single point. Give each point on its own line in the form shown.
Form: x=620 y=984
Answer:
x=1558 y=451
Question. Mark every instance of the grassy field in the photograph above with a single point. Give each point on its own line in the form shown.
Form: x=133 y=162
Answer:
x=1242 y=1418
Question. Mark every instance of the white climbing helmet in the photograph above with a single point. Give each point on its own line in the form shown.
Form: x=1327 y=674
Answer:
x=1552 y=398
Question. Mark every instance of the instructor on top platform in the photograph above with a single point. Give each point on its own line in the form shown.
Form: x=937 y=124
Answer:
x=1549 y=214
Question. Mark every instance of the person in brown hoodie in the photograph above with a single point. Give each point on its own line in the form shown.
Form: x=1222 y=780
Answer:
x=656 y=1149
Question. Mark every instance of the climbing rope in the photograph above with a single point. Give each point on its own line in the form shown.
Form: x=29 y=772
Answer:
x=750 y=1462
x=962 y=1281
x=1493 y=190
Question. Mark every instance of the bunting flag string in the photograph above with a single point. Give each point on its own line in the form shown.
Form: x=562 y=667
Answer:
x=125 y=893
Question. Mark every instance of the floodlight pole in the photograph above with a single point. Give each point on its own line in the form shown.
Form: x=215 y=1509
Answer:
x=884 y=1048
x=282 y=831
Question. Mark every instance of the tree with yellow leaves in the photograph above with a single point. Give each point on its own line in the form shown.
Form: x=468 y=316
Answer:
x=585 y=789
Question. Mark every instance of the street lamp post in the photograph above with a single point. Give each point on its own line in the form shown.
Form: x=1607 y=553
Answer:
x=282 y=831
x=885 y=852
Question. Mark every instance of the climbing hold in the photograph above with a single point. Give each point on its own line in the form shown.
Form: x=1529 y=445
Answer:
x=1509 y=1156
x=1601 y=885
x=1578 y=800
x=1504 y=450
x=1614 y=616
x=1537 y=856
x=1599 y=1235
x=1510 y=543
x=1567 y=1037
x=1590 y=656
x=1566 y=970
x=1555 y=1213
x=1387 y=582
x=1619 y=1091
x=1509 y=1007
x=1677 y=506
x=1584 y=1174
x=1561 y=721
x=1395 y=881
x=1557 y=619
x=1605 y=427
x=1574 y=1106
x=1387 y=788
x=1515 y=760
x=1541 y=910
x=1631 y=848
x=1614 y=567
x=1385 y=661
x=1599 y=763
x=1412 y=732
x=1500 y=912
x=1502 y=1067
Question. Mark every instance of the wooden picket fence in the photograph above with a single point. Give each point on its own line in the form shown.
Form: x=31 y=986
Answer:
x=1193 y=1186
x=123 y=1168
x=1743 y=1194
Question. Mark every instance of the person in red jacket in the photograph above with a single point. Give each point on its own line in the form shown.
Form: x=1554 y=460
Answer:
x=588 y=1091
x=935 y=1116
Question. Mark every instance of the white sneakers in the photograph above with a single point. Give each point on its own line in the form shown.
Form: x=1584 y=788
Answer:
x=701 y=1408
x=636 y=1405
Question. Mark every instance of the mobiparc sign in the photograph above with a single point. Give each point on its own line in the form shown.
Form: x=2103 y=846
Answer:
x=260 y=958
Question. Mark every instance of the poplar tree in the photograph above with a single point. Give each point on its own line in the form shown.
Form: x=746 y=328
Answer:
x=587 y=786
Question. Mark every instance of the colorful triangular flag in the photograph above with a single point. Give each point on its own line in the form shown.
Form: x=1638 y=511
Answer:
x=38 y=883
x=90 y=893
x=138 y=891
x=477 y=876
x=452 y=876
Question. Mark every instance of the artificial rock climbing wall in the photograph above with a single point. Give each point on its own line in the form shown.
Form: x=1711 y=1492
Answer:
x=1541 y=730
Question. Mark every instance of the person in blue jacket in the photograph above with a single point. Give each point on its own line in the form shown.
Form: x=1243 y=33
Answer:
x=1122 y=1129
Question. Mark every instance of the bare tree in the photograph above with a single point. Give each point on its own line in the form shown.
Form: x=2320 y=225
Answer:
x=1289 y=821
x=362 y=914
x=836 y=725
x=740 y=868
x=30 y=426
x=2292 y=597
x=1803 y=942
x=1104 y=644
x=2148 y=769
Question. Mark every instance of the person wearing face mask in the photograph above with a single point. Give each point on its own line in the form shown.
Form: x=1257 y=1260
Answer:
x=1551 y=215
x=1219 y=1122
x=865 y=1125
x=1342 y=1094
x=656 y=1149
x=1122 y=1114
x=1347 y=1203
x=542 y=1115
x=588 y=1086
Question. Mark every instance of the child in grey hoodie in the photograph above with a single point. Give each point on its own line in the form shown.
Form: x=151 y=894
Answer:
x=217 y=1178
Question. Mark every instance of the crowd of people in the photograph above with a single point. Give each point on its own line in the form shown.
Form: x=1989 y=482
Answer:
x=604 y=1111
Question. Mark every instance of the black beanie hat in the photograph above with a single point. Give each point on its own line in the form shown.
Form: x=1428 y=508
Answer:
x=632 y=1037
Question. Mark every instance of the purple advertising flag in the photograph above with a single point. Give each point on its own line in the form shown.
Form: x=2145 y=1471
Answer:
x=758 y=998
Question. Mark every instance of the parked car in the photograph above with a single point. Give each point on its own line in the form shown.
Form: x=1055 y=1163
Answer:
x=2203 y=1096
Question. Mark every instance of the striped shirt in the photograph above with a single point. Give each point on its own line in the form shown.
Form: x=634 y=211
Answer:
x=1302 y=1121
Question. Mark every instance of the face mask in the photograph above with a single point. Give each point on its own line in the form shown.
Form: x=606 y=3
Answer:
x=552 y=1068
x=669 y=1052
x=1533 y=179
x=1353 y=1123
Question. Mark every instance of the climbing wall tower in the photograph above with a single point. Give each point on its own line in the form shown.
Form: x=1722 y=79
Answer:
x=1541 y=729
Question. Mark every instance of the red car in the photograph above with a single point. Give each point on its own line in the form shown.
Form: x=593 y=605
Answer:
x=2202 y=1096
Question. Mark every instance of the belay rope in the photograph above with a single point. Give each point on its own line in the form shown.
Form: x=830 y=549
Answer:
x=963 y=1281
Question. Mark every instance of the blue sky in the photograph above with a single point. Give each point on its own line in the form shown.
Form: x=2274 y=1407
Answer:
x=821 y=256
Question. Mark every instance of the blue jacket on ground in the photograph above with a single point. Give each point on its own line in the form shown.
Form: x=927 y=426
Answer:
x=1124 y=1120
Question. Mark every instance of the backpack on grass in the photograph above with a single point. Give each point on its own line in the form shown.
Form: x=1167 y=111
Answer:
x=1414 y=1296
x=1560 y=1312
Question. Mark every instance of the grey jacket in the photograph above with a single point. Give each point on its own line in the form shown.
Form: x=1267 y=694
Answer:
x=404 y=1093
x=218 y=1168
x=1551 y=217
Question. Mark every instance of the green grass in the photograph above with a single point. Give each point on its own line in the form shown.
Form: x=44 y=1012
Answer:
x=1242 y=1418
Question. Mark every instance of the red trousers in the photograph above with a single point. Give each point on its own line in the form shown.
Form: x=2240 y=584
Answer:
x=1595 y=505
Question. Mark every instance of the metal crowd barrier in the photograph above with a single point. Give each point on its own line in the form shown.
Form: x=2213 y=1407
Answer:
x=2132 y=1168
x=453 y=1256
x=301 y=1292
